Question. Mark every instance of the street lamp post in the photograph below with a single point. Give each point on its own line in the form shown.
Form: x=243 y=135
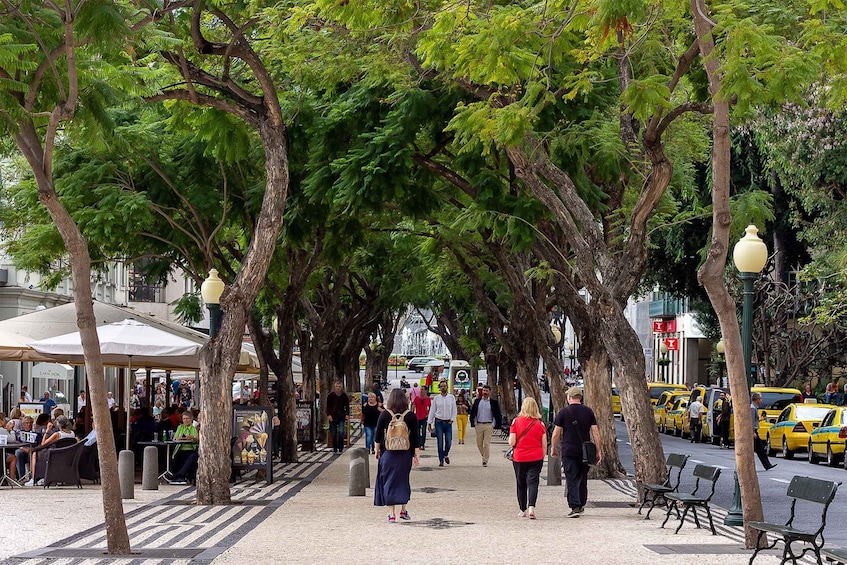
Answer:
x=571 y=356
x=721 y=362
x=749 y=255
x=664 y=361
x=211 y=291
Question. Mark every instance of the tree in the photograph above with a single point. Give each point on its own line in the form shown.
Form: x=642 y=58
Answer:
x=44 y=49
x=223 y=71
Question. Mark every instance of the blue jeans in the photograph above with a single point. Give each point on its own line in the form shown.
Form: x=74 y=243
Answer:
x=444 y=438
x=336 y=431
x=369 y=437
x=422 y=432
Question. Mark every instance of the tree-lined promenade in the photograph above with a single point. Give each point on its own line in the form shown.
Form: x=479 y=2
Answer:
x=339 y=162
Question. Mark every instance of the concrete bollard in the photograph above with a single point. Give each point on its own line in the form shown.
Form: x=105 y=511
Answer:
x=554 y=471
x=150 y=469
x=126 y=473
x=360 y=472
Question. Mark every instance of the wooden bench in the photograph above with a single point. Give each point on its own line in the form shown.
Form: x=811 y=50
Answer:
x=693 y=501
x=654 y=492
x=805 y=489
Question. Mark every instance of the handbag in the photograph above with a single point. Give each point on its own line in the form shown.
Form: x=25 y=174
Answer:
x=510 y=453
x=589 y=450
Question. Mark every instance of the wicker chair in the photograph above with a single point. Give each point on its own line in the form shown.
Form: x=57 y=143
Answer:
x=89 y=468
x=63 y=465
x=41 y=458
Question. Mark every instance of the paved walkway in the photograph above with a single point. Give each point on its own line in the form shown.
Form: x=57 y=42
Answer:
x=461 y=512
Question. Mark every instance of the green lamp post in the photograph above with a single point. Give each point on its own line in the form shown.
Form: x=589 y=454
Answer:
x=749 y=255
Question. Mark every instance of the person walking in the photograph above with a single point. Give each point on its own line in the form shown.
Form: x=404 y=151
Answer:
x=441 y=418
x=337 y=409
x=370 y=415
x=723 y=422
x=463 y=408
x=422 y=404
x=528 y=437
x=758 y=445
x=573 y=424
x=695 y=424
x=392 y=486
x=485 y=416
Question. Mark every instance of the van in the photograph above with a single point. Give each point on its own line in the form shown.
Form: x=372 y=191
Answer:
x=711 y=398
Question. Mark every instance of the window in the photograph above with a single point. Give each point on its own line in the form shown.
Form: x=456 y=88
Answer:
x=141 y=289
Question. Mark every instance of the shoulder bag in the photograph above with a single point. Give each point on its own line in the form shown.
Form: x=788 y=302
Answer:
x=589 y=450
x=508 y=454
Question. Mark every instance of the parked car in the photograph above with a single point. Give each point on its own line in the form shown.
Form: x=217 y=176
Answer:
x=829 y=439
x=616 y=400
x=660 y=413
x=417 y=364
x=794 y=426
x=677 y=421
x=656 y=390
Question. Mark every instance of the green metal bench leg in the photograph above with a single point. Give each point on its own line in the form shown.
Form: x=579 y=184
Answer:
x=711 y=523
x=696 y=519
x=682 y=519
x=671 y=508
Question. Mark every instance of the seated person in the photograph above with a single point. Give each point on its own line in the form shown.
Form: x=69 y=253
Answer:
x=22 y=453
x=60 y=429
x=185 y=454
x=11 y=461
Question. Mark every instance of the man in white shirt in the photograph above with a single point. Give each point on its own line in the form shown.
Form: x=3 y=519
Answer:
x=110 y=400
x=442 y=414
x=695 y=411
x=80 y=402
x=26 y=393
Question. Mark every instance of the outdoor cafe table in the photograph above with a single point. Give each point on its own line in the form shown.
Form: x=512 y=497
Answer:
x=5 y=478
x=167 y=444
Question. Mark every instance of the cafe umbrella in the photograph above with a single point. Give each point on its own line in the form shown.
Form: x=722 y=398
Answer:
x=124 y=344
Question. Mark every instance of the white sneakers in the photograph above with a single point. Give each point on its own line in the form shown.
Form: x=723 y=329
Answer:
x=32 y=483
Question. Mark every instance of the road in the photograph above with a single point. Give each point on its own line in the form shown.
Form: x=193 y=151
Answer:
x=773 y=483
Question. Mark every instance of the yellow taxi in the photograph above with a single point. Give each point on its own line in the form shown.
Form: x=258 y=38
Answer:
x=656 y=390
x=774 y=401
x=616 y=400
x=663 y=406
x=828 y=440
x=794 y=426
x=677 y=418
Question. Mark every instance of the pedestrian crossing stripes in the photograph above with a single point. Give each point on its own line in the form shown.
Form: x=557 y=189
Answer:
x=187 y=532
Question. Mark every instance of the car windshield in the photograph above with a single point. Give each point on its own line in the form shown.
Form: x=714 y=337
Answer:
x=615 y=392
x=680 y=403
x=810 y=412
x=778 y=400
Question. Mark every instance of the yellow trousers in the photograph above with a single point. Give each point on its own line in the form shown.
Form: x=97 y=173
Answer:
x=462 y=421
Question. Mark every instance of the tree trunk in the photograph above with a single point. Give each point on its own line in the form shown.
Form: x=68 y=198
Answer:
x=117 y=536
x=711 y=275
x=625 y=351
x=28 y=142
x=506 y=373
x=598 y=397
x=219 y=357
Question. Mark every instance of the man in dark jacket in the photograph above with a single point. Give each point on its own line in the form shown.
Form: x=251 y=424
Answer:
x=575 y=424
x=337 y=410
x=485 y=417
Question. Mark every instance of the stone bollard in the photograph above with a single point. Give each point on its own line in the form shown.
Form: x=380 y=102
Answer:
x=150 y=469
x=360 y=472
x=554 y=471
x=126 y=473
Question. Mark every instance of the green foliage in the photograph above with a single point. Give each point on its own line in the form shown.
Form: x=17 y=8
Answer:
x=188 y=309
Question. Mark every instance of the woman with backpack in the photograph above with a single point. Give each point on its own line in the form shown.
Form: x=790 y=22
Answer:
x=396 y=452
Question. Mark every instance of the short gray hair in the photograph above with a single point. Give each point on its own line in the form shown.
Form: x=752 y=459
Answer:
x=756 y=396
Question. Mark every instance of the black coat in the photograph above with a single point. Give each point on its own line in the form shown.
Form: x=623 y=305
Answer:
x=495 y=410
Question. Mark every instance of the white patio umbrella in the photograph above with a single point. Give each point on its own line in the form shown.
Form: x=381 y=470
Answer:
x=121 y=344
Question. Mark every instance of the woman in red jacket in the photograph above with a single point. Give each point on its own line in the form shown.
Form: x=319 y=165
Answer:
x=529 y=438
